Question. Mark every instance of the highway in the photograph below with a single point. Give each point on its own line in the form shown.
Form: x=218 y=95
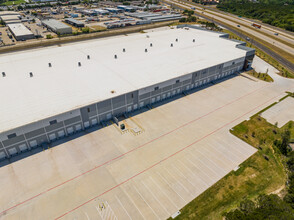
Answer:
x=285 y=43
x=247 y=31
x=268 y=30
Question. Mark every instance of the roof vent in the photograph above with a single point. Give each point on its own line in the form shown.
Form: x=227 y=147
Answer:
x=124 y=50
x=49 y=64
x=88 y=57
x=176 y=39
x=151 y=45
x=146 y=50
x=31 y=74
x=193 y=40
x=171 y=45
x=3 y=74
x=115 y=56
x=79 y=63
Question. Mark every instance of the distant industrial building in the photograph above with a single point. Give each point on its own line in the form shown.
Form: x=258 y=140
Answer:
x=50 y=93
x=114 y=10
x=155 y=17
x=20 y=32
x=57 y=26
x=74 y=22
x=101 y=11
x=126 y=8
x=10 y=19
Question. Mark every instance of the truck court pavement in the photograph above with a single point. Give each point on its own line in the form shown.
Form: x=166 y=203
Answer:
x=184 y=148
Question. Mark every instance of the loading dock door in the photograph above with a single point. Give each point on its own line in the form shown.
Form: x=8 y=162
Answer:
x=141 y=104
x=108 y=116
x=135 y=106
x=22 y=147
x=12 y=150
x=163 y=96
x=70 y=130
x=94 y=121
x=60 y=133
x=33 y=143
x=2 y=155
x=52 y=137
x=78 y=127
x=86 y=124
x=129 y=108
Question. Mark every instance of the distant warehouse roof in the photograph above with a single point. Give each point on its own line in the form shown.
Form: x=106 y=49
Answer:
x=164 y=18
x=10 y=19
x=5 y=13
x=57 y=26
x=74 y=22
x=20 y=32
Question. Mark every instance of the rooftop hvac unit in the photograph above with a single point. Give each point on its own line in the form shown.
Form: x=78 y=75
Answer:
x=151 y=45
x=31 y=74
x=193 y=40
x=124 y=50
x=49 y=64
x=79 y=63
x=146 y=50
x=171 y=45
x=115 y=56
x=88 y=57
x=176 y=39
x=3 y=74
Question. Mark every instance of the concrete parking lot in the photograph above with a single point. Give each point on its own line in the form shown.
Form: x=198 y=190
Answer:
x=280 y=113
x=183 y=147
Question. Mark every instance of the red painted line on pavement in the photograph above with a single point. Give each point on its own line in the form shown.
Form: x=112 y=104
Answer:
x=115 y=158
x=166 y=158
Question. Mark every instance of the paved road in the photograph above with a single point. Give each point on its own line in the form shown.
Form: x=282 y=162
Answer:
x=289 y=65
x=266 y=30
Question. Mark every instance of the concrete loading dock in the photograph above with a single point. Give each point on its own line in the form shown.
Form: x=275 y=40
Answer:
x=67 y=77
x=57 y=26
x=20 y=32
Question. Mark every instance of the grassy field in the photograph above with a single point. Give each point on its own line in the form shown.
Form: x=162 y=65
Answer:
x=264 y=172
x=17 y=2
x=261 y=76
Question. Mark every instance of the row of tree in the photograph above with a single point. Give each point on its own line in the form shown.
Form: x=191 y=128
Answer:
x=274 y=12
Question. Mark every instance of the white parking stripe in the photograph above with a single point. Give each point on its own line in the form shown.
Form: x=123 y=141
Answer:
x=197 y=177
x=171 y=187
x=156 y=184
x=177 y=181
x=87 y=216
x=123 y=207
x=155 y=197
x=146 y=202
x=199 y=169
x=134 y=204
x=184 y=177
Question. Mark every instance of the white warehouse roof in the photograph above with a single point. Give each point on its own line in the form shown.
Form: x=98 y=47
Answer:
x=66 y=86
x=19 y=29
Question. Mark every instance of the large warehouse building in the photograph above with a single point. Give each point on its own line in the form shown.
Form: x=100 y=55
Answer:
x=53 y=92
x=20 y=32
x=57 y=26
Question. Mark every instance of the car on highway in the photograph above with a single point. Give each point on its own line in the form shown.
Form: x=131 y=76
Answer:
x=238 y=25
x=276 y=34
